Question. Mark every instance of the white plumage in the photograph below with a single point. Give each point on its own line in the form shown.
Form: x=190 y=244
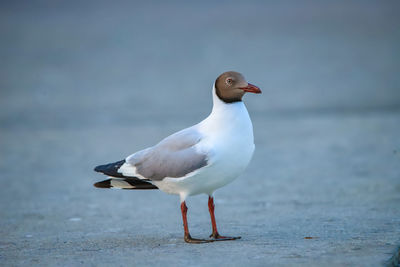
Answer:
x=227 y=139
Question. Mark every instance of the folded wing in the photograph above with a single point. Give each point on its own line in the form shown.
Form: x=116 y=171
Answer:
x=175 y=157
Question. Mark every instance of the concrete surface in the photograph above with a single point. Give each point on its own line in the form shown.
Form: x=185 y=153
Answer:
x=84 y=84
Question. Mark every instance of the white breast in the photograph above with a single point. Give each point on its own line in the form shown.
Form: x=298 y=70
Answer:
x=229 y=134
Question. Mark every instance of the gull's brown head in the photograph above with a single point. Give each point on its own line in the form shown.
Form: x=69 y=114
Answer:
x=230 y=87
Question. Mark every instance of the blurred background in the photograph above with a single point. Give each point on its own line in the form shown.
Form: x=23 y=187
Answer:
x=89 y=82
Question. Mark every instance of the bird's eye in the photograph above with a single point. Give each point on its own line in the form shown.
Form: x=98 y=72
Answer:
x=229 y=81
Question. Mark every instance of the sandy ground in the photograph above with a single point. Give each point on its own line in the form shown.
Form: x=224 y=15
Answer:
x=85 y=84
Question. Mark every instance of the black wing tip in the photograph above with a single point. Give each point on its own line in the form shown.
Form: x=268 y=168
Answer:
x=98 y=168
x=110 y=168
x=134 y=184
x=103 y=184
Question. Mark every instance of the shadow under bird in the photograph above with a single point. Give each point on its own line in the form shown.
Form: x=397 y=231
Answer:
x=198 y=159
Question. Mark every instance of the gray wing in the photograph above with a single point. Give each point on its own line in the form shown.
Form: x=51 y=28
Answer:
x=175 y=156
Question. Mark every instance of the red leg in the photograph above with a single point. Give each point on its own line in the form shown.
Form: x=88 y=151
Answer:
x=211 y=210
x=184 y=217
x=215 y=233
x=187 y=237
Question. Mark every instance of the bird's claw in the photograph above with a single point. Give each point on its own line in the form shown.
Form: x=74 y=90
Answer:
x=218 y=237
x=189 y=239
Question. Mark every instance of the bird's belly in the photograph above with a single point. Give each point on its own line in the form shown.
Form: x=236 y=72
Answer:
x=227 y=166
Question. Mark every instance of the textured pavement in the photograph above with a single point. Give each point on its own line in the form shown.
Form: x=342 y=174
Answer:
x=85 y=84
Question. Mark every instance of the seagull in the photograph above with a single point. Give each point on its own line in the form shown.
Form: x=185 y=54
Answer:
x=196 y=160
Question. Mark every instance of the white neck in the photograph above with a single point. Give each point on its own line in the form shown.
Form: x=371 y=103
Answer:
x=226 y=115
x=220 y=106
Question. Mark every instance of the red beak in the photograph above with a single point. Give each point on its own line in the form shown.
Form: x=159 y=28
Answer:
x=251 y=88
